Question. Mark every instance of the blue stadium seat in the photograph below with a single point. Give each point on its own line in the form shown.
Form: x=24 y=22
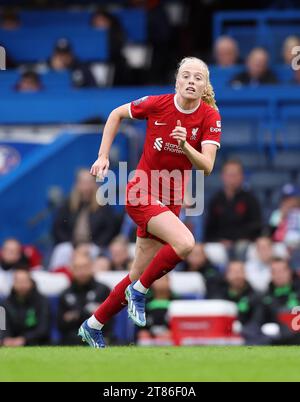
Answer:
x=133 y=20
x=278 y=33
x=240 y=133
x=8 y=79
x=60 y=80
x=287 y=160
x=221 y=77
x=288 y=135
x=267 y=28
x=284 y=73
x=251 y=160
x=40 y=18
x=50 y=80
x=37 y=44
x=213 y=183
x=246 y=38
x=269 y=179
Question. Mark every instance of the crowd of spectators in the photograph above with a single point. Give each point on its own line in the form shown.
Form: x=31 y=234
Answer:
x=257 y=268
x=163 y=33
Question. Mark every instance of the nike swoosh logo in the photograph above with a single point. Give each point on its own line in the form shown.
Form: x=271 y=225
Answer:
x=160 y=124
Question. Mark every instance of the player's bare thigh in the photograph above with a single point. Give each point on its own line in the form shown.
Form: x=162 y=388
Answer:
x=145 y=251
x=168 y=227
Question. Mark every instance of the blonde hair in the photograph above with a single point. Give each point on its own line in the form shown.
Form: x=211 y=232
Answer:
x=208 y=95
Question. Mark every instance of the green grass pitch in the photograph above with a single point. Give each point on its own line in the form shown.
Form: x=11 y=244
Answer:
x=134 y=364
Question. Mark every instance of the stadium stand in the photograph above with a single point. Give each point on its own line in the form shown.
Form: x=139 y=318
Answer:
x=261 y=127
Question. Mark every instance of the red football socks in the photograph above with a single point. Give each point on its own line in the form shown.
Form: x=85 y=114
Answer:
x=114 y=303
x=164 y=261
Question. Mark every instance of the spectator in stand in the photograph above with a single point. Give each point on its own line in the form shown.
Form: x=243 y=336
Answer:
x=285 y=222
x=238 y=290
x=102 y=264
x=62 y=255
x=27 y=314
x=12 y=256
x=81 y=218
x=157 y=330
x=258 y=270
x=257 y=71
x=197 y=261
x=29 y=82
x=10 y=20
x=102 y=19
x=283 y=295
x=63 y=57
x=226 y=52
x=119 y=254
x=287 y=49
x=234 y=214
x=79 y=301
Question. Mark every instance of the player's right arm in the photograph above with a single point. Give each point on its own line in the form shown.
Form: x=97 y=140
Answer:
x=101 y=166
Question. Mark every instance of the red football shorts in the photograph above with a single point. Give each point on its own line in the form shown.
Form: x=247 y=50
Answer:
x=147 y=208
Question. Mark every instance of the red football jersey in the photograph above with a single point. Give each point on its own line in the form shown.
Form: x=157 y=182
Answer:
x=161 y=152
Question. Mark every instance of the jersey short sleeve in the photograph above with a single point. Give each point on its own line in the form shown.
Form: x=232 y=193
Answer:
x=142 y=108
x=212 y=128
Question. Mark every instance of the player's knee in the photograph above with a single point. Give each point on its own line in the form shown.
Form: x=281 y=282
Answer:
x=185 y=246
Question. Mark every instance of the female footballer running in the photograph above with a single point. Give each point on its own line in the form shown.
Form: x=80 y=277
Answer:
x=183 y=130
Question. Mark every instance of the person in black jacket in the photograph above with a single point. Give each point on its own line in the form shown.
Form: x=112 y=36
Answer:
x=234 y=214
x=81 y=219
x=27 y=314
x=237 y=289
x=79 y=301
x=257 y=72
x=278 y=303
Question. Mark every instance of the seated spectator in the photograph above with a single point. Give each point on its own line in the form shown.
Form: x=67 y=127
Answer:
x=119 y=254
x=29 y=82
x=102 y=19
x=238 y=290
x=197 y=261
x=81 y=218
x=258 y=270
x=62 y=255
x=81 y=300
x=234 y=214
x=12 y=256
x=63 y=57
x=285 y=222
x=257 y=70
x=287 y=49
x=27 y=314
x=283 y=295
x=226 y=52
x=157 y=329
x=10 y=20
x=102 y=264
